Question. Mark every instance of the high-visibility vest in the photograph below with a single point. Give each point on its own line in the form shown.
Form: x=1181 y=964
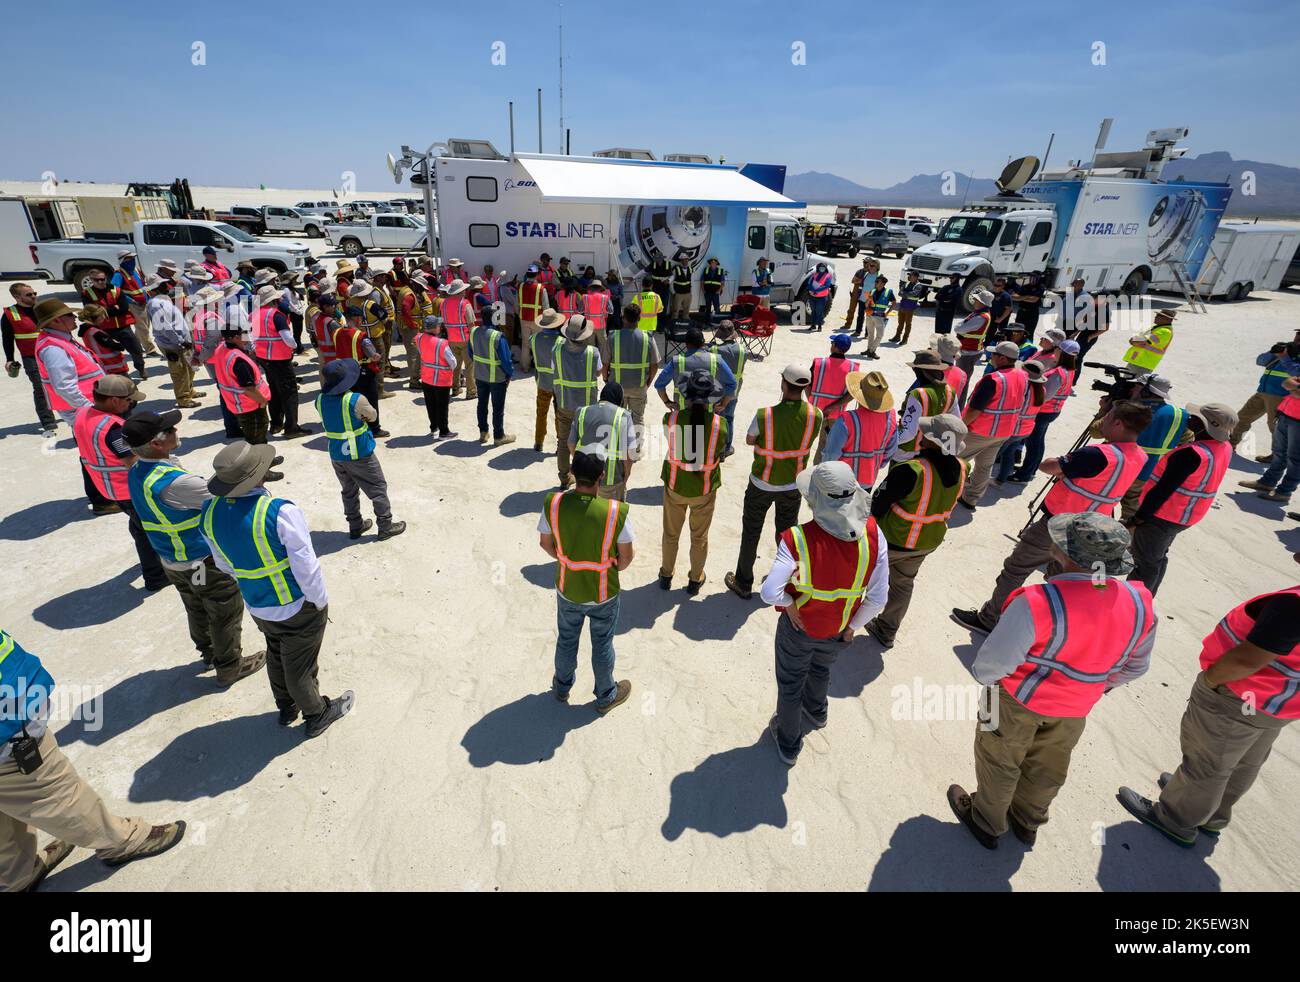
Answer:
x=24 y=330
x=532 y=300
x=1025 y=421
x=869 y=434
x=545 y=276
x=735 y=358
x=112 y=362
x=712 y=277
x=492 y=290
x=1083 y=634
x=596 y=307
x=786 y=433
x=426 y=306
x=348 y=434
x=1148 y=348
x=1100 y=493
x=1048 y=359
x=630 y=370
x=108 y=298
x=881 y=298
x=348 y=344
x=651 y=307
x=1270 y=381
x=1000 y=416
x=28 y=682
x=83 y=363
x=681 y=278
x=232 y=392
x=1271 y=689
x=566 y=302
x=436 y=361
x=574 y=385
x=243 y=532
x=324 y=337
x=484 y=343
x=1167 y=437
x=133 y=287
x=219 y=272
x=955 y=377
x=971 y=331
x=106 y=469
x=206 y=329
x=819 y=285
x=616 y=450
x=831 y=576
x=693 y=478
x=828 y=385
x=459 y=316
x=1290 y=405
x=372 y=314
x=543 y=347
x=688 y=363
x=1191 y=501
x=933 y=399
x=267 y=343
x=920 y=519
x=1057 y=402
x=586 y=530
x=173 y=532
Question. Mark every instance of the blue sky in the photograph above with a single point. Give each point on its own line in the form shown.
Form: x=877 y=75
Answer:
x=294 y=95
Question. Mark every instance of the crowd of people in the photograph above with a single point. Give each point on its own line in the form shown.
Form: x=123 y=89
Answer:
x=882 y=473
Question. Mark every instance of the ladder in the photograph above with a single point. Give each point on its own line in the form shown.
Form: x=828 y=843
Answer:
x=1194 y=302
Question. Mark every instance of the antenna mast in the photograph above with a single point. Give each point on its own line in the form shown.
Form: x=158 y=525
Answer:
x=562 y=75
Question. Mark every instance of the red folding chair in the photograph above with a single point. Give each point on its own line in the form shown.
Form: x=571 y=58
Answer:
x=755 y=325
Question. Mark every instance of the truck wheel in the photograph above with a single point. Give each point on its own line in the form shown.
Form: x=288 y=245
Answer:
x=351 y=247
x=1135 y=285
x=1247 y=290
x=975 y=283
x=313 y=231
x=1233 y=293
x=79 y=276
x=877 y=252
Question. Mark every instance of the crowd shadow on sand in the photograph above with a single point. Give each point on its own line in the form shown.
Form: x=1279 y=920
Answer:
x=527 y=731
x=93 y=605
x=133 y=700
x=857 y=666
x=734 y=791
x=43 y=518
x=210 y=760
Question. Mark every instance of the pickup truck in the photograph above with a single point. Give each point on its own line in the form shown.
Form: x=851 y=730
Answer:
x=73 y=260
x=383 y=232
x=274 y=218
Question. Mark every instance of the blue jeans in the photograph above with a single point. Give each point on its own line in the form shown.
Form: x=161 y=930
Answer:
x=818 y=315
x=1283 y=473
x=603 y=619
x=1034 y=447
x=729 y=414
x=497 y=392
x=1006 y=459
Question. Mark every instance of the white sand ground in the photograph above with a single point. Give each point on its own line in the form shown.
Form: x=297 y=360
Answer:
x=458 y=771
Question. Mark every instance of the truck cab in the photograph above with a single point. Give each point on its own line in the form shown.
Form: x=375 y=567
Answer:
x=780 y=237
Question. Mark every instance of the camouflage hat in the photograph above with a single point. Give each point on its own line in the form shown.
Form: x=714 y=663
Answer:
x=1091 y=539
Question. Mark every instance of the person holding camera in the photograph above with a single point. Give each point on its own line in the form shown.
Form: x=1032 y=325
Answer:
x=1280 y=362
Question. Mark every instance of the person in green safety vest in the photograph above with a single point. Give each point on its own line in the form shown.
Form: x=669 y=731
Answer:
x=1148 y=348
x=590 y=539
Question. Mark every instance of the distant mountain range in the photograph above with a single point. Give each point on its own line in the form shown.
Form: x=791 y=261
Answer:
x=1277 y=187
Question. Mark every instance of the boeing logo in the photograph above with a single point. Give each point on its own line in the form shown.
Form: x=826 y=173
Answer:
x=554 y=230
x=511 y=184
x=1110 y=228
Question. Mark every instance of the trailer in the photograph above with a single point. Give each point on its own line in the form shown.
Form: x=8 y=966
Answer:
x=879 y=213
x=1244 y=257
x=616 y=213
x=120 y=213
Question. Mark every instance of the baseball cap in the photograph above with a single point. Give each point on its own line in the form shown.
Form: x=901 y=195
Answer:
x=1069 y=346
x=142 y=427
x=115 y=385
x=797 y=374
x=1007 y=349
x=841 y=341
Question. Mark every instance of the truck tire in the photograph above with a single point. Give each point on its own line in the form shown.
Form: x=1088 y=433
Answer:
x=973 y=284
x=1248 y=289
x=351 y=246
x=79 y=275
x=312 y=231
x=1233 y=293
x=853 y=252
x=1135 y=285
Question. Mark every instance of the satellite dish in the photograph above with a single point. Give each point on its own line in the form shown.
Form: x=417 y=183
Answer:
x=1017 y=174
x=392 y=165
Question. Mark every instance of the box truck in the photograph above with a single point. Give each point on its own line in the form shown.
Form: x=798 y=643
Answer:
x=617 y=213
x=1114 y=223
x=1244 y=257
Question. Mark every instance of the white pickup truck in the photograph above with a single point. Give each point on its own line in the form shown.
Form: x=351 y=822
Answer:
x=73 y=260
x=382 y=232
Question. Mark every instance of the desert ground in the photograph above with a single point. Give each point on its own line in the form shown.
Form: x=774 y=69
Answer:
x=457 y=770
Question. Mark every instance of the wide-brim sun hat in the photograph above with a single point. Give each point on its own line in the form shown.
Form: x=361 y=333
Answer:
x=240 y=467
x=840 y=506
x=550 y=318
x=578 y=328
x=339 y=376
x=870 y=390
x=1092 y=539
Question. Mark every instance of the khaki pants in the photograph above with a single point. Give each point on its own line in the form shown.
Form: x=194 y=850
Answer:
x=142 y=332
x=563 y=424
x=1021 y=765
x=903 y=567
x=1132 y=500
x=526 y=331
x=853 y=307
x=681 y=307
x=983 y=451
x=874 y=328
x=55 y=799
x=182 y=373
x=412 y=355
x=1033 y=551
x=634 y=403
x=463 y=376
x=544 y=399
x=613 y=492
x=701 y=513
x=1223 y=750
x=1260 y=404
x=903 y=331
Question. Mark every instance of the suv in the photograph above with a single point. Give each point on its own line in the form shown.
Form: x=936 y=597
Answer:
x=878 y=241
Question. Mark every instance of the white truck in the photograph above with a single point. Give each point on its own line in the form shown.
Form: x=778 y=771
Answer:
x=1113 y=223
x=619 y=214
x=382 y=232
x=1243 y=258
x=73 y=260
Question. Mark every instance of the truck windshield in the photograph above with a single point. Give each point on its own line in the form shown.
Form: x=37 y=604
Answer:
x=971 y=231
x=234 y=233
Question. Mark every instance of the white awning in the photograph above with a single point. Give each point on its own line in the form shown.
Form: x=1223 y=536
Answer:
x=588 y=179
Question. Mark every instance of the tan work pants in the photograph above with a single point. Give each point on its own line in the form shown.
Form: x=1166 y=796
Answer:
x=675 y=511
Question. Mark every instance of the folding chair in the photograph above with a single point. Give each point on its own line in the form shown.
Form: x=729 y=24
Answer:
x=755 y=325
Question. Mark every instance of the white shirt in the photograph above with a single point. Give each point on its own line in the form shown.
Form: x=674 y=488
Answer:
x=291 y=527
x=62 y=372
x=873 y=597
x=754 y=479
x=170 y=329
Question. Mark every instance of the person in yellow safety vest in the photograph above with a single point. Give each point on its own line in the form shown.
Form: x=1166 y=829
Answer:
x=930 y=395
x=1092 y=478
x=912 y=506
x=605 y=429
x=543 y=346
x=783 y=437
x=692 y=474
x=1149 y=347
x=651 y=306
x=1058 y=648
x=633 y=362
x=590 y=538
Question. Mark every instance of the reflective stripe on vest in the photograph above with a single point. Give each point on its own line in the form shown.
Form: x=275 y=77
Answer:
x=272 y=569
x=918 y=519
x=589 y=383
x=434 y=358
x=32 y=333
x=530 y=301
x=1057 y=402
x=492 y=360
x=83 y=362
x=109 y=360
x=224 y=368
x=676 y=464
x=1101 y=492
x=614 y=449
x=923 y=395
x=617 y=365
x=827 y=385
x=324 y=338
x=681 y=374
x=1190 y=502
x=1170 y=436
x=91 y=430
x=649 y=303
x=596 y=307
x=353 y=425
x=1000 y=416
x=1272 y=688
x=804 y=587
x=864 y=446
x=459 y=316
x=160 y=523
x=601 y=566
x=267 y=342
x=766 y=448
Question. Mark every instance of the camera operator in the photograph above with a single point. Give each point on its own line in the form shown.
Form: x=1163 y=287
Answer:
x=1280 y=362
x=1166 y=431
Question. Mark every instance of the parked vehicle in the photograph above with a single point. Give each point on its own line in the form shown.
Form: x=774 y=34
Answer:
x=917 y=233
x=879 y=241
x=1243 y=258
x=1112 y=223
x=250 y=220
x=118 y=213
x=1292 y=275
x=180 y=202
x=861 y=225
x=832 y=239
x=844 y=213
x=385 y=232
x=73 y=260
x=329 y=208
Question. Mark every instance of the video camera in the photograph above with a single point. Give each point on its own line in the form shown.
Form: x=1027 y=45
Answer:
x=1123 y=377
